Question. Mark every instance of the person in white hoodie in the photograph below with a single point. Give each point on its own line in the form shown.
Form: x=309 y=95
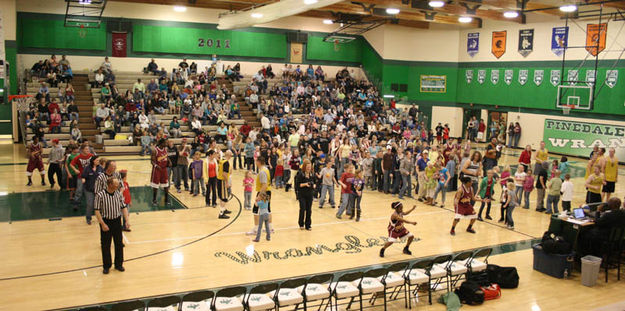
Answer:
x=567 y=193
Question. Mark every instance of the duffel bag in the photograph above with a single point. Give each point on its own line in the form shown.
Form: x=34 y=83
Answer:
x=493 y=291
x=470 y=293
x=506 y=277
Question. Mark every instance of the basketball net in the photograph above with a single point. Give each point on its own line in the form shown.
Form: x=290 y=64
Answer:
x=336 y=45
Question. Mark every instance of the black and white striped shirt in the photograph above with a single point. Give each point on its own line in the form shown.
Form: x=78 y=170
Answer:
x=100 y=182
x=110 y=205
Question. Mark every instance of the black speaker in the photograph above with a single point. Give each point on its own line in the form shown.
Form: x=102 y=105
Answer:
x=297 y=37
x=403 y=88
x=118 y=26
x=394 y=87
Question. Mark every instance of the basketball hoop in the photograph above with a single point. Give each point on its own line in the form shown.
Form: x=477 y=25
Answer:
x=82 y=32
x=22 y=102
x=336 y=45
x=567 y=109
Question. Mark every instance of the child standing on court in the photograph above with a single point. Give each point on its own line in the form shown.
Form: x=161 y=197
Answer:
x=197 y=168
x=263 y=216
x=528 y=186
x=567 y=192
x=127 y=197
x=511 y=203
x=358 y=185
x=248 y=185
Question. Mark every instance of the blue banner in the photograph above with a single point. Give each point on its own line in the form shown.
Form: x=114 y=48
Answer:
x=473 y=43
x=559 y=40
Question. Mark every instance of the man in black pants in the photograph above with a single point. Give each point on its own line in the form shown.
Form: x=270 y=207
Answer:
x=109 y=208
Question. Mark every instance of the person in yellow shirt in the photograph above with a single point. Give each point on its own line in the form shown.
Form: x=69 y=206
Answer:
x=263 y=185
x=594 y=183
x=542 y=155
x=610 y=170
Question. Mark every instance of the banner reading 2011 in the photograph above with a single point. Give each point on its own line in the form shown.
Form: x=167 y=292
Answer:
x=578 y=138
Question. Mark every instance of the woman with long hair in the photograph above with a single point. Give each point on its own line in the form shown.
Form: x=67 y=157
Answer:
x=305 y=184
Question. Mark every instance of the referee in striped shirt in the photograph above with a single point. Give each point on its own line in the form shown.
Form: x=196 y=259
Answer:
x=109 y=208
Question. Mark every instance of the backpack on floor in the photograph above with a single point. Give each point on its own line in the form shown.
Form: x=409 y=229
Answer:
x=506 y=277
x=470 y=293
x=492 y=291
x=481 y=278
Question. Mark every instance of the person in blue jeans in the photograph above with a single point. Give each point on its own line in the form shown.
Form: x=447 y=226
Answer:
x=263 y=216
x=346 y=190
x=327 y=184
x=511 y=203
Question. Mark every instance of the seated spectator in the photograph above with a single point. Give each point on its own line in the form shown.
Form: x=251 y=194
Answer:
x=107 y=66
x=99 y=78
x=310 y=72
x=253 y=100
x=612 y=216
x=174 y=128
x=222 y=131
x=235 y=110
x=152 y=86
x=231 y=74
x=260 y=81
x=52 y=79
x=109 y=127
x=37 y=68
x=66 y=74
x=319 y=74
x=64 y=61
x=269 y=72
x=152 y=68
x=184 y=66
x=42 y=109
x=105 y=92
x=69 y=92
x=146 y=140
x=53 y=106
x=43 y=92
x=101 y=114
x=193 y=68
x=139 y=86
x=136 y=134
x=55 y=122
x=75 y=131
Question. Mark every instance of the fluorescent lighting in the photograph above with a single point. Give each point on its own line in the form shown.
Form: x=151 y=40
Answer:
x=392 y=11
x=511 y=14
x=180 y=8
x=309 y=2
x=568 y=8
x=84 y=2
x=257 y=15
x=328 y=21
x=389 y=96
x=465 y=19
x=436 y=3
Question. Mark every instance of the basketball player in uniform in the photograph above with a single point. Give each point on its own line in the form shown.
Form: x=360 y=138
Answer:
x=224 y=184
x=160 y=163
x=35 y=161
x=610 y=165
x=397 y=230
x=463 y=205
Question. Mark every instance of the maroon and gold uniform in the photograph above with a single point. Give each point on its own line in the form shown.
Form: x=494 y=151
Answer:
x=34 y=159
x=160 y=161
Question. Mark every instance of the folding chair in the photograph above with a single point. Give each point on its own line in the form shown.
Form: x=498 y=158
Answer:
x=94 y=308
x=394 y=280
x=169 y=303
x=229 y=299
x=318 y=288
x=343 y=288
x=438 y=272
x=612 y=251
x=135 y=305
x=479 y=261
x=261 y=297
x=197 y=301
x=417 y=275
x=372 y=282
x=458 y=267
x=288 y=294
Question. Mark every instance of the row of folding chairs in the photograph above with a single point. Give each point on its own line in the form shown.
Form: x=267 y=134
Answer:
x=323 y=291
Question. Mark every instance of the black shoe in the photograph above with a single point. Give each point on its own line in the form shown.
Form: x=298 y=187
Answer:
x=43 y=183
x=89 y=221
x=223 y=216
x=227 y=212
x=30 y=183
x=407 y=251
x=51 y=186
x=480 y=218
x=382 y=253
x=154 y=203
x=120 y=268
x=488 y=217
x=470 y=230
x=105 y=271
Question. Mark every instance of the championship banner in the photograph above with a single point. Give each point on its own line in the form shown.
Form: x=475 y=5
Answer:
x=481 y=76
x=572 y=76
x=539 y=76
x=559 y=40
x=119 y=44
x=433 y=84
x=526 y=41
x=499 y=43
x=508 y=75
x=523 y=76
x=611 y=76
x=578 y=138
x=494 y=76
x=469 y=75
x=596 y=36
x=473 y=43
x=555 y=77
x=591 y=77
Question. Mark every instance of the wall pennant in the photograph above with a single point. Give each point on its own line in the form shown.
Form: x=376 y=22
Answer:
x=473 y=43
x=494 y=76
x=539 y=76
x=523 y=75
x=572 y=76
x=481 y=76
x=508 y=75
x=611 y=77
x=499 y=43
x=559 y=40
x=596 y=36
x=526 y=41
x=591 y=77
x=469 y=75
x=555 y=77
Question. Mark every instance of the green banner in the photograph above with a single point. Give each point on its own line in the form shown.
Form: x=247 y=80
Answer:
x=578 y=138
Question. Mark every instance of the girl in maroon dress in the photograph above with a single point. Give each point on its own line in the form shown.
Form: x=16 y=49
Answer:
x=396 y=228
x=463 y=205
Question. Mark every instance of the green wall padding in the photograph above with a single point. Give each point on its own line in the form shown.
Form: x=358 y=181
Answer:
x=51 y=33
x=317 y=49
x=179 y=40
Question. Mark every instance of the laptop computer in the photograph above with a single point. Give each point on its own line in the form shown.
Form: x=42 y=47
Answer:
x=578 y=213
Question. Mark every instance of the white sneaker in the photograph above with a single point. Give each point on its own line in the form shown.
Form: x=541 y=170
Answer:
x=251 y=233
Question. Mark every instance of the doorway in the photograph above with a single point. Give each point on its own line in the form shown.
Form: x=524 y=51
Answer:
x=497 y=125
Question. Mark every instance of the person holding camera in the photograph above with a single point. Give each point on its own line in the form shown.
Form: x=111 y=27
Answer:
x=305 y=186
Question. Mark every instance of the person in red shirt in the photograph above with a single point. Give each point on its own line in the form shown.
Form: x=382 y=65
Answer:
x=526 y=157
x=77 y=165
x=53 y=106
x=127 y=198
x=160 y=177
x=35 y=161
x=481 y=128
x=245 y=129
x=346 y=190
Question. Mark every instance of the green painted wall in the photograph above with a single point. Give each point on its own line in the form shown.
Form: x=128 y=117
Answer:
x=49 y=33
x=410 y=74
x=317 y=49
x=608 y=100
x=203 y=41
x=371 y=63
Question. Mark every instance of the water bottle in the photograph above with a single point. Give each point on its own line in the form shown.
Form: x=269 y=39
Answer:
x=566 y=273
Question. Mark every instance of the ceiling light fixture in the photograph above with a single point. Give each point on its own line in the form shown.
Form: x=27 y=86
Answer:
x=328 y=21
x=568 y=8
x=511 y=14
x=180 y=8
x=465 y=19
x=256 y=15
x=436 y=3
x=392 y=11
x=309 y=2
